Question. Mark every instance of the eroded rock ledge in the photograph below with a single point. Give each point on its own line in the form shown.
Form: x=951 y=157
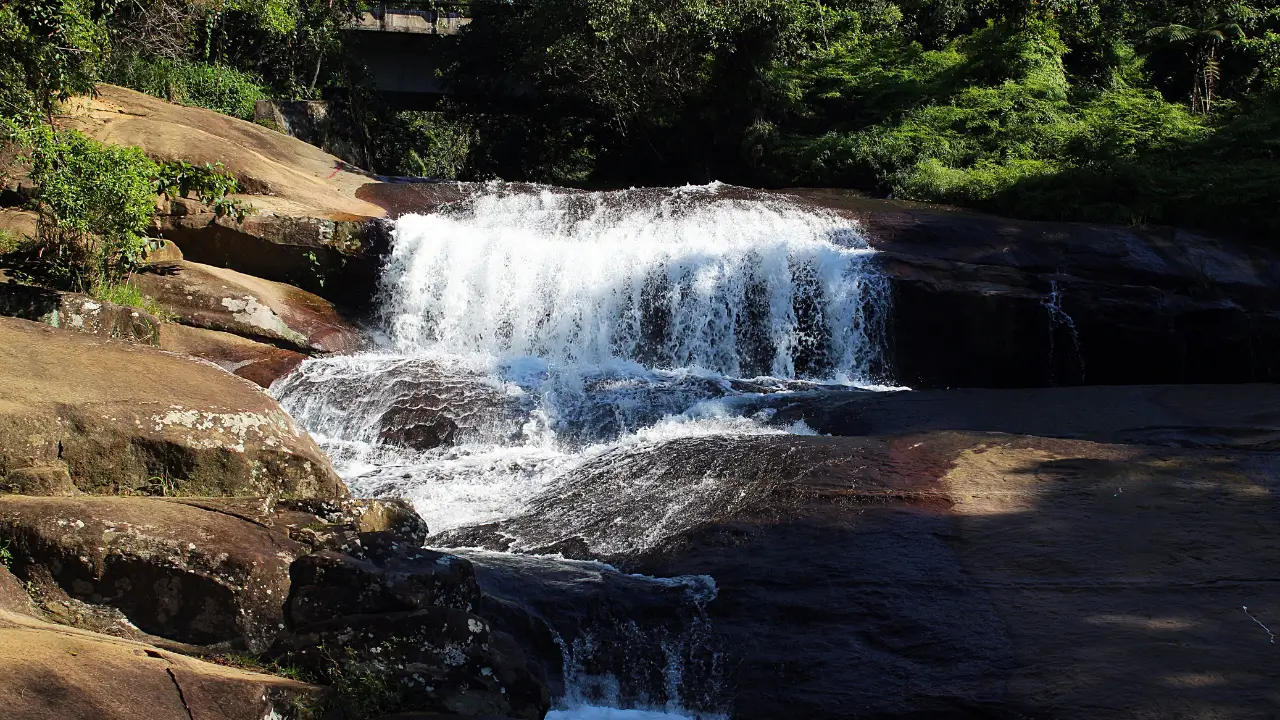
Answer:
x=339 y=591
x=83 y=414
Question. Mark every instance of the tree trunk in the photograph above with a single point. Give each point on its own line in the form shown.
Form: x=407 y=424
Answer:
x=1210 y=77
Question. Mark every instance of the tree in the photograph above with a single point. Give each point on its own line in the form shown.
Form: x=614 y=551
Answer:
x=1202 y=45
x=51 y=49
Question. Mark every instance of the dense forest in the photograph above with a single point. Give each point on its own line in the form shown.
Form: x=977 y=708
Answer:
x=1131 y=111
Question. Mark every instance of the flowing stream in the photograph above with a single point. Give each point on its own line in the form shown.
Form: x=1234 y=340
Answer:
x=524 y=332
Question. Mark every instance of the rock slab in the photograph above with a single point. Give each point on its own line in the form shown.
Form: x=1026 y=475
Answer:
x=106 y=417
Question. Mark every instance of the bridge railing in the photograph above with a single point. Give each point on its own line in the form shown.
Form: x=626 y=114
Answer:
x=427 y=17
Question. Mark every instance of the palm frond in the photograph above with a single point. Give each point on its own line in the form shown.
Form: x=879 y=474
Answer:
x=1172 y=33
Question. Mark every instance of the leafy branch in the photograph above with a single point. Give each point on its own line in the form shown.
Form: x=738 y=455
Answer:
x=209 y=183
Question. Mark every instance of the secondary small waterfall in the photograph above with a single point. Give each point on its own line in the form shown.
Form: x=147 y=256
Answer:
x=526 y=332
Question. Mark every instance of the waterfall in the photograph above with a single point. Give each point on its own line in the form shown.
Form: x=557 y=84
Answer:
x=525 y=333
x=681 y=279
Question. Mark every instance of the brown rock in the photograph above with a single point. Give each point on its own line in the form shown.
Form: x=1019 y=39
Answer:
x=51 y=480
x=126 y=419
x=166 y=252
x=199 y=571
x=986 y=301
x=225 y=300
x=78 y=312
x=57 y=673
x=14 y=597
x=18 y=223
x=337 y=259
x=256 y=362
x=285 y=174
x=180 y=572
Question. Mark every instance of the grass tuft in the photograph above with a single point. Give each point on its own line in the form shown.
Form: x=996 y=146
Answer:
x=128 y=294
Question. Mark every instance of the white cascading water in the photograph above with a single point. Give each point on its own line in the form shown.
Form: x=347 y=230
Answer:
x=523 y=333
x=738 y=287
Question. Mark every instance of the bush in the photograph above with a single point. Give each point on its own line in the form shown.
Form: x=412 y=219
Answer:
x=212 y=87
x=96 y=203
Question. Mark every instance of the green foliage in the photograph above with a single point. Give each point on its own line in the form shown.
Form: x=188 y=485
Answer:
x=6 y=555
x=96 y=204
x=423 y=144
x=9 y=243
x=1126 y=110
x=49 y=50
x=127 y=294
x=214 y=87
x=209 y=183
x=1050 y=109
x=363 y=692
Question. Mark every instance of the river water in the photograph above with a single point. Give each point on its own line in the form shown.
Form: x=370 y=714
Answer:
x=522 y=333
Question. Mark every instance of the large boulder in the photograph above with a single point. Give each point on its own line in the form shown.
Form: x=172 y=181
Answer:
x=79 y=312
x=338 y=259
x=986 y=301
x=176 y=571
x=114 y=418
x=221 y=299
x=202 y=571
x=284 y=175
x=308 y=229
x=376 y=605
x=55 y=673
x=961 y=574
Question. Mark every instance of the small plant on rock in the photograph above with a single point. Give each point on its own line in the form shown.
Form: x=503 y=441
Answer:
x=162 y=485
x=209 y=183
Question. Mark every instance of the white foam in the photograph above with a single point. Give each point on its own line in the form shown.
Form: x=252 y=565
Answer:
x=595 y=712
x=578 y=279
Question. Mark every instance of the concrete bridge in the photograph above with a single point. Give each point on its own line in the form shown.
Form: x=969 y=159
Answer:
x=396 y=41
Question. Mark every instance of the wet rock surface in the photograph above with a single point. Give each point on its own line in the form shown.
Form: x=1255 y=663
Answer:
x=257 y=362
x=1210 y=416
x=419 y=404
x=930 y=572
x=602 y=635
x=116 y=418
x=404 y=614
x=380 y=575
x=985 y=301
